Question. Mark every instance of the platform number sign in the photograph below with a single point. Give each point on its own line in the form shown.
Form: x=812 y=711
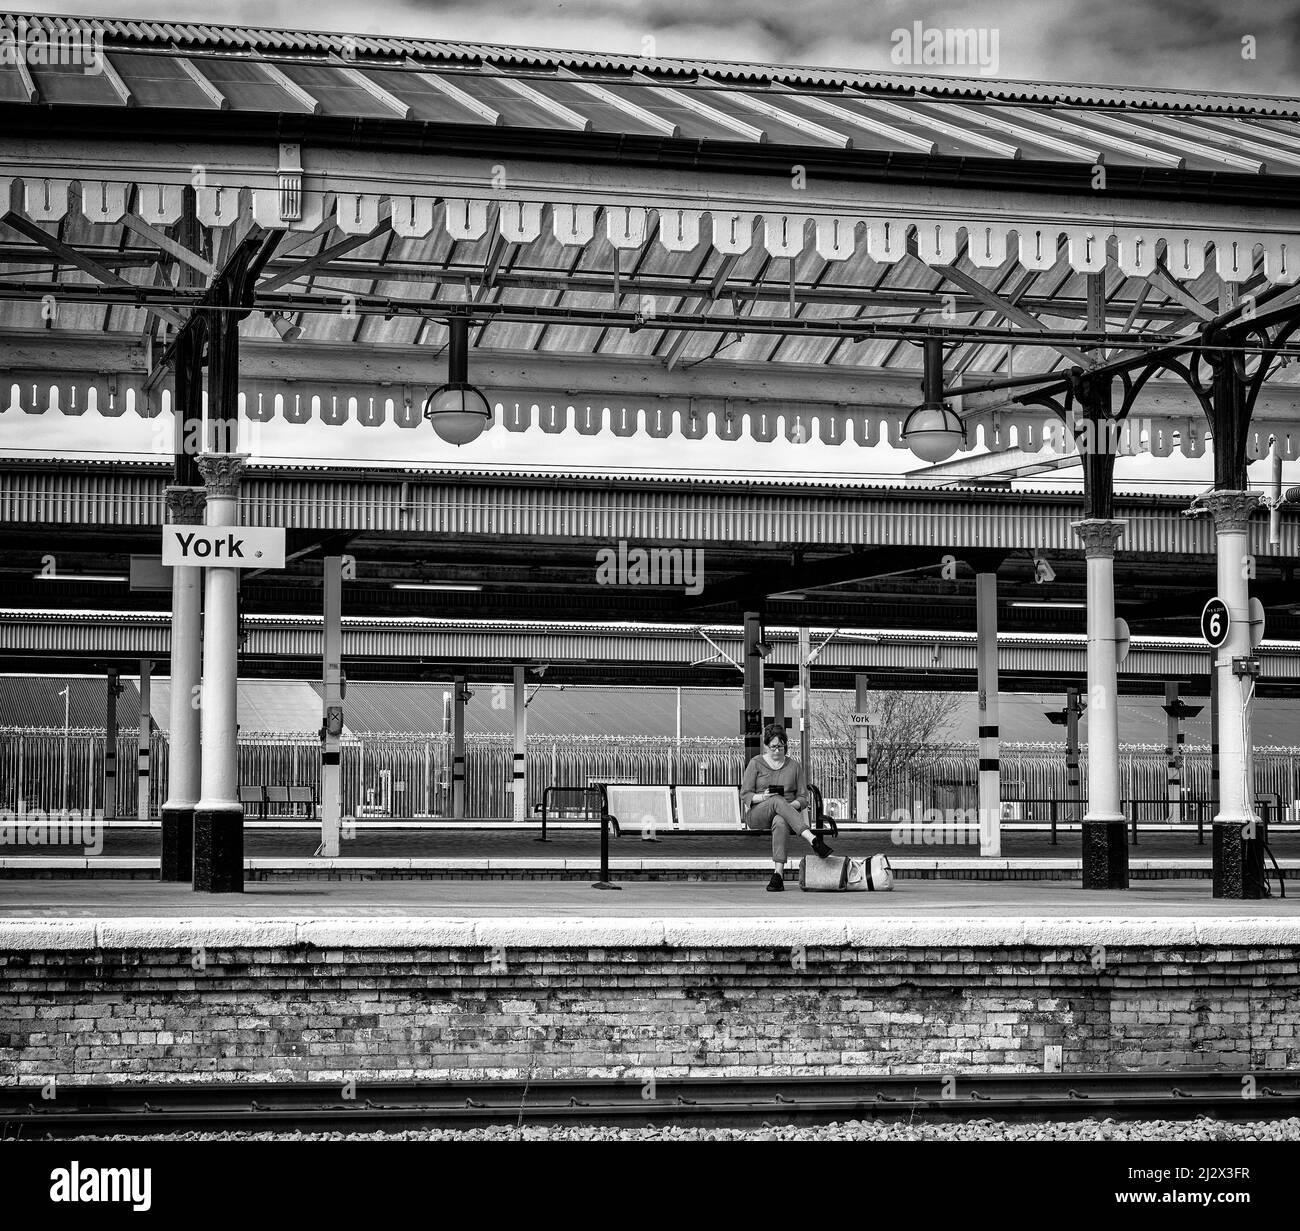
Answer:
x=1215 y=623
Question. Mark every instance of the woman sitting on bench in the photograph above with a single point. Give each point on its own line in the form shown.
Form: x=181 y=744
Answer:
x=774 y=792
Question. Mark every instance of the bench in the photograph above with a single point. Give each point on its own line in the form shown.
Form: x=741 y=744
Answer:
x=687 y=809
x=287 y=796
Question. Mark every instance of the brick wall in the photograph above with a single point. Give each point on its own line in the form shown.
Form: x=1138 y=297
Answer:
x=187 y=1001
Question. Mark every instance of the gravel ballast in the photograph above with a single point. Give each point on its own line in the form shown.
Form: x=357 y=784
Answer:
x=1202 y=1129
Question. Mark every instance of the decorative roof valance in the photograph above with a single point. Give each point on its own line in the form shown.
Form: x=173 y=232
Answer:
x=731 y=229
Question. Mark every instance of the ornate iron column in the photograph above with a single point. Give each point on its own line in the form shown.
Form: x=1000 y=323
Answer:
x=1237 y=831
x=1105 y=850
x=1228 y=399
x=1095 y=426
x=218 y=815
x=185 y=507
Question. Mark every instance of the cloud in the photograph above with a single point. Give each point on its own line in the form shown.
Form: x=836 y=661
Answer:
x=1189 y=44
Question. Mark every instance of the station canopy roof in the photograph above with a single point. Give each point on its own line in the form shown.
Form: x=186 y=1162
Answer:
x=657 y=246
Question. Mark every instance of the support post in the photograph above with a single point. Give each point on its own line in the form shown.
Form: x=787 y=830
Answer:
x=751 y=725
x=185 y=507
x=862 y=749
x=778 y=702
x=458 y=691
x=990 y=779
x=110 y=747
x=519 y=785
x=677 y=741
x=1237 y=832
x=805 y=704
x=1173 y=753
x=1105 y=850
x=218 y=815
x=331 y=751
x=142 y=758
x=1072 y=709
x=1214 y=738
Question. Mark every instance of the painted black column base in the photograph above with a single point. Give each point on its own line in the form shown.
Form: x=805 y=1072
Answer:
x=219 y=850
x=1105 y=855
x=1238 y=860
x=177 y=844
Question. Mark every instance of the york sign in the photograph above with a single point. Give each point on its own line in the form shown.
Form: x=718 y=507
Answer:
x=223 y=546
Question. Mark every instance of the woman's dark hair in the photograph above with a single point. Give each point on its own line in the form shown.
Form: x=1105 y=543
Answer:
x=772 y=731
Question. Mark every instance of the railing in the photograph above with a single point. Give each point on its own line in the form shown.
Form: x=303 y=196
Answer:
x=405 y=776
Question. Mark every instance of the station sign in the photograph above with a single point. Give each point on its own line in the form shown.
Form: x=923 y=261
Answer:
x=861 y=720
x=1215 y=623
x=1122 y=640
x=223 y=546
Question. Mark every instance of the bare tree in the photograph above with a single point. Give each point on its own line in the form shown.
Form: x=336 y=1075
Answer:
x=909 y=732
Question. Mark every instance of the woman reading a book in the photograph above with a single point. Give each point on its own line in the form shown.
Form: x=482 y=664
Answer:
x=774 y=794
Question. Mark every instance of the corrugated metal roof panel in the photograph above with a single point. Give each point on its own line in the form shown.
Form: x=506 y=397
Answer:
x=294 y=707
x=149 y=476
x=35 y=701
x=362 y=48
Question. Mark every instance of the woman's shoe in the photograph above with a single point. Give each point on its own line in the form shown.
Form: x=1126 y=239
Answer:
x=820 y=849
x=776 y=884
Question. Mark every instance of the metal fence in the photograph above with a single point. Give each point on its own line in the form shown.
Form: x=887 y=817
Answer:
x=405 y=776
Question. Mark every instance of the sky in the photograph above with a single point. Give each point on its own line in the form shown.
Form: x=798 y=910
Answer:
x=1252 y=47
x=1176 y=43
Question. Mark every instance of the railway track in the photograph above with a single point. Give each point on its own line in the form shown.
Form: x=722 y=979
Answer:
x=636 y=1102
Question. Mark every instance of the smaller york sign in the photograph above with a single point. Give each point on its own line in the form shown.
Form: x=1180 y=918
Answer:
x=223 y=546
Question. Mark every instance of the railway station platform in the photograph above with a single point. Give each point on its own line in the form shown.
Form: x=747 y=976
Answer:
x=490 y=851
x=135 y=982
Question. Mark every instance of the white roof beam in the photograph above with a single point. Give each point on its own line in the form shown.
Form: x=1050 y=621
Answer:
x=684 y=98
x=289 y=86
x=25 y=76
x=1072 y=149
x=1166 y=158
x=550 y=105
x=191 y=71
x=373 y=88
x=926 y=119
x=619 y=103
x=111 y=75
x=1235 y=133
x=870 y=123
x=790 y=119
x=462 y=97
x=179 y=251
x=1011 y=464
x=1239 y=161
x=1005 y=308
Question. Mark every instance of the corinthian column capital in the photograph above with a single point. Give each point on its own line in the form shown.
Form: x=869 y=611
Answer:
x=1099 y=535
x=185 y=505
x=221 y=472
x=1231 y=510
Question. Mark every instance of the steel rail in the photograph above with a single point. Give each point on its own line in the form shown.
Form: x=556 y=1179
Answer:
x=638 y=1101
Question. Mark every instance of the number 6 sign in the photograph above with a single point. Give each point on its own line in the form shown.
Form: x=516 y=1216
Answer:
x=1215 y=622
